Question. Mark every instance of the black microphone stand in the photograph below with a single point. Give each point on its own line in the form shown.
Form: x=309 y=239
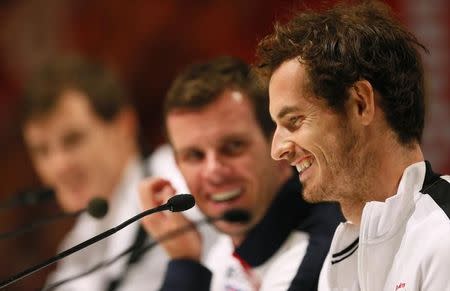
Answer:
x=235 y=216
x=143 y=249
x=82 y=245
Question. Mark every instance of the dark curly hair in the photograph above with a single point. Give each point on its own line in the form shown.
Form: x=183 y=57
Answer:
x=347 y=43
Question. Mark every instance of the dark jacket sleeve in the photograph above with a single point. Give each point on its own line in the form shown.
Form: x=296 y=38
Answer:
x=321 y=225
x=186 y=275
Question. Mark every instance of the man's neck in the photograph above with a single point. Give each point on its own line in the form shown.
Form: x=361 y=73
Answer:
x=385 y=179
x=237 y=240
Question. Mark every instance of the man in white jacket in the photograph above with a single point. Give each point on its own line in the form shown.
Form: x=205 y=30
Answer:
x=347 y=94
x=81 y=132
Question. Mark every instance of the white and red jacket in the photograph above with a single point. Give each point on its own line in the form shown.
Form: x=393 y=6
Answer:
x=402 y=244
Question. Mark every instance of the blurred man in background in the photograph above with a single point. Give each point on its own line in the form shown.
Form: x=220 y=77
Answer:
x=81 y=132
x=219 y=127
x=347 y=94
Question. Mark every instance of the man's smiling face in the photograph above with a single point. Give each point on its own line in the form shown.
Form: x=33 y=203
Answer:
x=313 y=137
x=225 y=158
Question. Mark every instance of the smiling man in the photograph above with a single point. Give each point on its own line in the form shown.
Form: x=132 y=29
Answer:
x=81 y=132
x=219 y=127
x=347 y=94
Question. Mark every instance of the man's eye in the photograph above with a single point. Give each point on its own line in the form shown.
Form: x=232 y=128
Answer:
x=234 y=147
x=192 y=156
x=294 y=122
x=73 y=139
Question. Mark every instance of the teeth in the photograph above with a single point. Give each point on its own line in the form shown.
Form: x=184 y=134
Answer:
x=303 y=165
x=224 y=196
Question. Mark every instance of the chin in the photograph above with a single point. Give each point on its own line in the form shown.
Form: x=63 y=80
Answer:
x=314 y=195
x=231 y=229
x=72 y=204
x=308 y=197
x=70 y=207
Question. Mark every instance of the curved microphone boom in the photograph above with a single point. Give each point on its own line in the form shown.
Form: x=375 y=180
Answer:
x=97 y=208
x=177 y=203
x=232 y=216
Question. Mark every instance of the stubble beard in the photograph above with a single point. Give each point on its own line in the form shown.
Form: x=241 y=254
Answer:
x=346 y=178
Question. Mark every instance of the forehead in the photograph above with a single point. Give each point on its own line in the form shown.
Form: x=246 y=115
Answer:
x=72 y=110
x=230 y=115
x=288 y=89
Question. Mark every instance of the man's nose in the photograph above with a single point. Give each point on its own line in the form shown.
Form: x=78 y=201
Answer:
x=59 y=161
x=282 y=149
x=215 y=168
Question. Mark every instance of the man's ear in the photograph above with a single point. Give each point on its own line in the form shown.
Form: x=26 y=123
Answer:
x=362 y=102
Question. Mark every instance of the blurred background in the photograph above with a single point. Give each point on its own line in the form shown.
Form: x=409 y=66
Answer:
x=146 y=42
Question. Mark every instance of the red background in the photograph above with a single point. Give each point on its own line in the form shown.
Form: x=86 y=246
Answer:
x=146 y=43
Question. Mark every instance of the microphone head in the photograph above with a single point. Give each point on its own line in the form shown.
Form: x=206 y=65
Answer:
x=97 y=207
x=180 y=202
x=236 y=216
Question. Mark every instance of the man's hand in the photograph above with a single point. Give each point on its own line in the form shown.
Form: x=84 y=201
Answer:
x=154 y=192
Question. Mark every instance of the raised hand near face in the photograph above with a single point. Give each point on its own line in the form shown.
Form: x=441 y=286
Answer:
x=153 y=192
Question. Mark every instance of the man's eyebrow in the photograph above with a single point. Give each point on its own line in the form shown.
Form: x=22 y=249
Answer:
x=285 y=110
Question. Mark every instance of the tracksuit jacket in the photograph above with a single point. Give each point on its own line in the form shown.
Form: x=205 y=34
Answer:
x=402 y=244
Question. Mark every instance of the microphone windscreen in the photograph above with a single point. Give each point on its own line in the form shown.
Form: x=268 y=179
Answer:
x=236 y=216
x=181 y=202
x=97 y=207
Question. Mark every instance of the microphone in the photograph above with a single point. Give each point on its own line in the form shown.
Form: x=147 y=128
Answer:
x=28 y=197
x=176 y=203
x=232 y=216
x=97 y=208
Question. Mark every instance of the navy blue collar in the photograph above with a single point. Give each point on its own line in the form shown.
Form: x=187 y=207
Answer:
x=437 y=188
x=283 y=216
